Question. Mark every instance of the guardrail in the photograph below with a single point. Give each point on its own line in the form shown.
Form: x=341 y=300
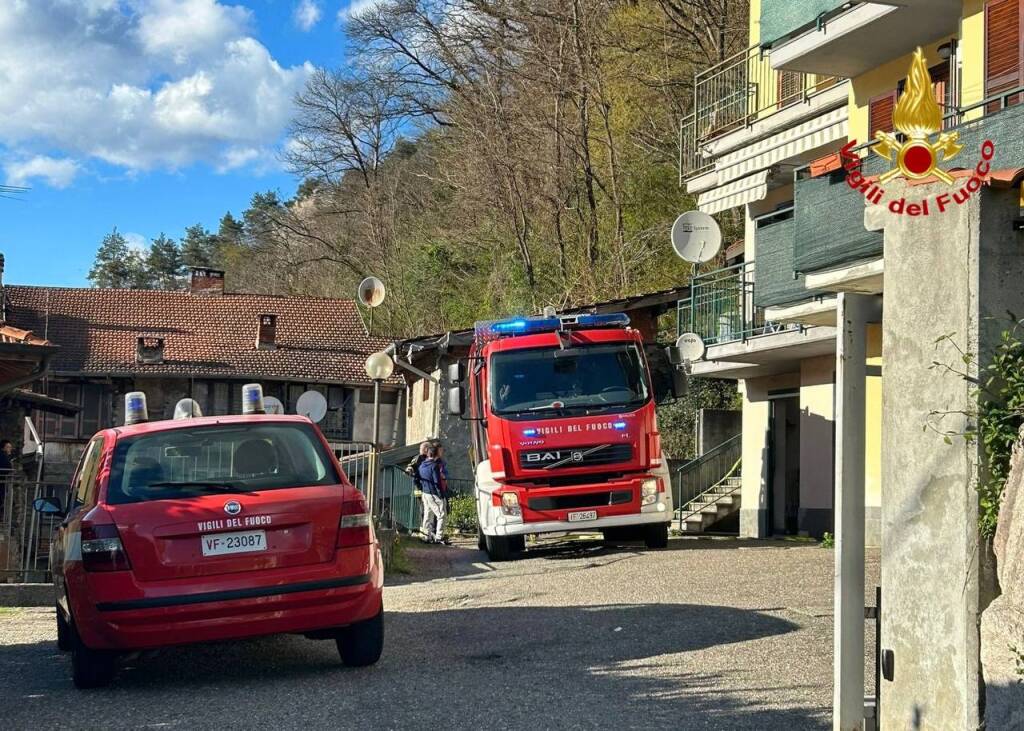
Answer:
x=25 y=535
x=701 y=474
x=734 y=94
x=399 y=505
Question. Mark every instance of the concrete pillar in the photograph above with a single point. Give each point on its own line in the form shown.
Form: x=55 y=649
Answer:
x=854 y=313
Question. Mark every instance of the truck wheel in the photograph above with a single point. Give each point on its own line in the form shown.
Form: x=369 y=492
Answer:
x=499 y=548
x=361 y=644
x=63 y=633
x=657 y=536
x=518 y=543
x=481 y=539
x=90 y=668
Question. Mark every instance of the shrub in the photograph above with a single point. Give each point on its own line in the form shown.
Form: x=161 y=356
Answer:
x=828 y=540
x=461 y=515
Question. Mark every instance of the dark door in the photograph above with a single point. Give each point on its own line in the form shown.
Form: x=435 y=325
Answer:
x=783 y=466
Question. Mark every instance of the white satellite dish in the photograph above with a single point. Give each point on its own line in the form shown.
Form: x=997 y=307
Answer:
x=272 y=405
x=691 y=347
x=696 y=237
x=312 y=405
x=371 y=292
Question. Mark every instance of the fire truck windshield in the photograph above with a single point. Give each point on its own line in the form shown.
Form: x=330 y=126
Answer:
x=592 y=378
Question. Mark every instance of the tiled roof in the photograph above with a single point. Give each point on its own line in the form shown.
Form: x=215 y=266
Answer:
x=16 y=335
x=318 y=339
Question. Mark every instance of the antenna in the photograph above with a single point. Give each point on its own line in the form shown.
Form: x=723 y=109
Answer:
x=371 y=294
x=696 y=237
x=312 y=405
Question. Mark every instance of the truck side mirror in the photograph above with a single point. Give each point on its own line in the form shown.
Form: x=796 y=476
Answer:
x=456 y=401
x=663 y=375
x=680 y=383
x=457 y=372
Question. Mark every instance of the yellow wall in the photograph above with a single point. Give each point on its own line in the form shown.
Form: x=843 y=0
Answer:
x=972 y=55
x=755 y=22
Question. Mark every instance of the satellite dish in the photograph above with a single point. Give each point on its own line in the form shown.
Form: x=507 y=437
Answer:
x=312 y=405
x=691 y=347
x=272 y=405
x=696 y=237
x=371 y=292
x=187 y=408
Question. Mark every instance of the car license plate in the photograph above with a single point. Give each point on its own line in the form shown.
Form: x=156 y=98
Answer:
x=221 y=544
x=581 y=515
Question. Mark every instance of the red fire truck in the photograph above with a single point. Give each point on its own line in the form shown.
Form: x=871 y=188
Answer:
x=565 y=436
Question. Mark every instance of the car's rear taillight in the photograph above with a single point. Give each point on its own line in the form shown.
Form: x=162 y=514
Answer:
x=102 y=549
x=354 y=528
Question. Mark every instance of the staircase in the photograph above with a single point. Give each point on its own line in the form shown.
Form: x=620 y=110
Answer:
x=708 y=488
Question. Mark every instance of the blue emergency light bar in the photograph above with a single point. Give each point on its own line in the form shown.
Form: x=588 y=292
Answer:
x=540 y=324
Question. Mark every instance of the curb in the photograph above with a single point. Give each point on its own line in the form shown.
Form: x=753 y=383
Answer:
x=26 y=595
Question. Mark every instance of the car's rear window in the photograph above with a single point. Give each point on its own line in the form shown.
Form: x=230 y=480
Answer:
x=233 y=458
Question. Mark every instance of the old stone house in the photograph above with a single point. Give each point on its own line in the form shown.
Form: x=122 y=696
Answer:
x=203 y=343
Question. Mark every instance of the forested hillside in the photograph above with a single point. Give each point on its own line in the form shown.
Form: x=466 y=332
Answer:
x=482 y=157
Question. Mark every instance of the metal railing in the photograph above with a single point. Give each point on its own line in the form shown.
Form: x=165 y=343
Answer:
x=25 y=535
x=721 y=306
x=698 y=476
x=734 y=94
x=400 y=505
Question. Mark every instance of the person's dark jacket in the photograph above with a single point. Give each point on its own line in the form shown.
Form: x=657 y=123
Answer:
x=5 y=463
x=432 y=479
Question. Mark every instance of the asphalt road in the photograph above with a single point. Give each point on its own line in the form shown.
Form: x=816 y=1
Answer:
x=710 y=634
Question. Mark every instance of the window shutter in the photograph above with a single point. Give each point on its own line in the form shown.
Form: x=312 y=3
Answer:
x=880 y=111
x=790 y=87
x=1004 y=49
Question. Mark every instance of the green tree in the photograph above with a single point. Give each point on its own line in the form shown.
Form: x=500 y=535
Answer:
x=114 y=265
x=199 y=247
x=163 y=264
x=230 y=233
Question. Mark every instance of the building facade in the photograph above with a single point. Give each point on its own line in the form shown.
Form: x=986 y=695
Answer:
x=201 y=343
x=854 y=295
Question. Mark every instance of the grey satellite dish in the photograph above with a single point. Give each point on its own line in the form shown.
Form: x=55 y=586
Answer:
x=371 y=292
x=272 y=405
x=696 y=237
x=312 y=405
x=691 y=347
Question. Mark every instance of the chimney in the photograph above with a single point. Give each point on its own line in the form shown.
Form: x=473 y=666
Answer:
x=149 y=350
x=266 y=332
x=207 y=282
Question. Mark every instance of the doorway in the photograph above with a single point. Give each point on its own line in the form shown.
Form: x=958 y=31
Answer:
x=783 y=465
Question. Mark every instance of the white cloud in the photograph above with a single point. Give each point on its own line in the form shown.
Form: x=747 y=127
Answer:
x=55 y=172
x=357 y=7
x=307 y=14
x=136 y=242
x=140 y=84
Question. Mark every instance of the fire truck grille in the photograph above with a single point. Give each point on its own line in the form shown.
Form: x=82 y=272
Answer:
x=592 y=456
x=582 y=500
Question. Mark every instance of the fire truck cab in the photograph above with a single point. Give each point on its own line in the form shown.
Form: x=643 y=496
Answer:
x=565 y=435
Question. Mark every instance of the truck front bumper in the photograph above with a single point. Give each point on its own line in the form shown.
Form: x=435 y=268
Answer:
x=564 y=526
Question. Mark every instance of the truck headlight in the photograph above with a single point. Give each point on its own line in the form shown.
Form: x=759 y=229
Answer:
x=649 y=491
x=510 y=504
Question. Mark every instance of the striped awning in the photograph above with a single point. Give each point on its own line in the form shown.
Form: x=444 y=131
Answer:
x=821 y=130
x=737 y=193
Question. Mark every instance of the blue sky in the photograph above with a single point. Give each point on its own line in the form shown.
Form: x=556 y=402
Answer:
x=148 y=115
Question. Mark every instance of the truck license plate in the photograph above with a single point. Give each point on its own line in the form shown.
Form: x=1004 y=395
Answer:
x=581 y=515
x=220 y=544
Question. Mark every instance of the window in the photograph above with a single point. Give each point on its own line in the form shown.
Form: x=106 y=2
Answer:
x=94 y=413
x=84 y=484
x=790 y=87
x=220 y=459
x=1004 y=49
x=880 y=111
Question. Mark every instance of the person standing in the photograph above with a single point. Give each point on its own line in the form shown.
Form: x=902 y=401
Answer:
x=6 y=456
x=434 y=485
x=413 y=468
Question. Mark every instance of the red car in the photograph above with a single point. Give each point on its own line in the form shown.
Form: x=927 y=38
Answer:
x=207 y=529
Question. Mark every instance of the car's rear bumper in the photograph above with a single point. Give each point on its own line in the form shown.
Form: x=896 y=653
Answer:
x=116 y=612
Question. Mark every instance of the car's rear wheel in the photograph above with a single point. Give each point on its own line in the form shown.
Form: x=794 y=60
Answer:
x=90 y=668
x=657 y=536
x=63 y=632
x=362 y=643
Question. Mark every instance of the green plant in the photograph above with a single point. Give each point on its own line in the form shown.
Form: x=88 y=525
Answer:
x=828 y=540
x=399 y=563
x=997 y=389
x=1019 y=659
x=461 y=515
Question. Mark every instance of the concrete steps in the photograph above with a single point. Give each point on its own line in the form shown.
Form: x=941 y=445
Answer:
x=712 y=506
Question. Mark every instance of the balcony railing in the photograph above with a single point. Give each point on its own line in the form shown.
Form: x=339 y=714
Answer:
x=721 y=306
x=733 y=94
